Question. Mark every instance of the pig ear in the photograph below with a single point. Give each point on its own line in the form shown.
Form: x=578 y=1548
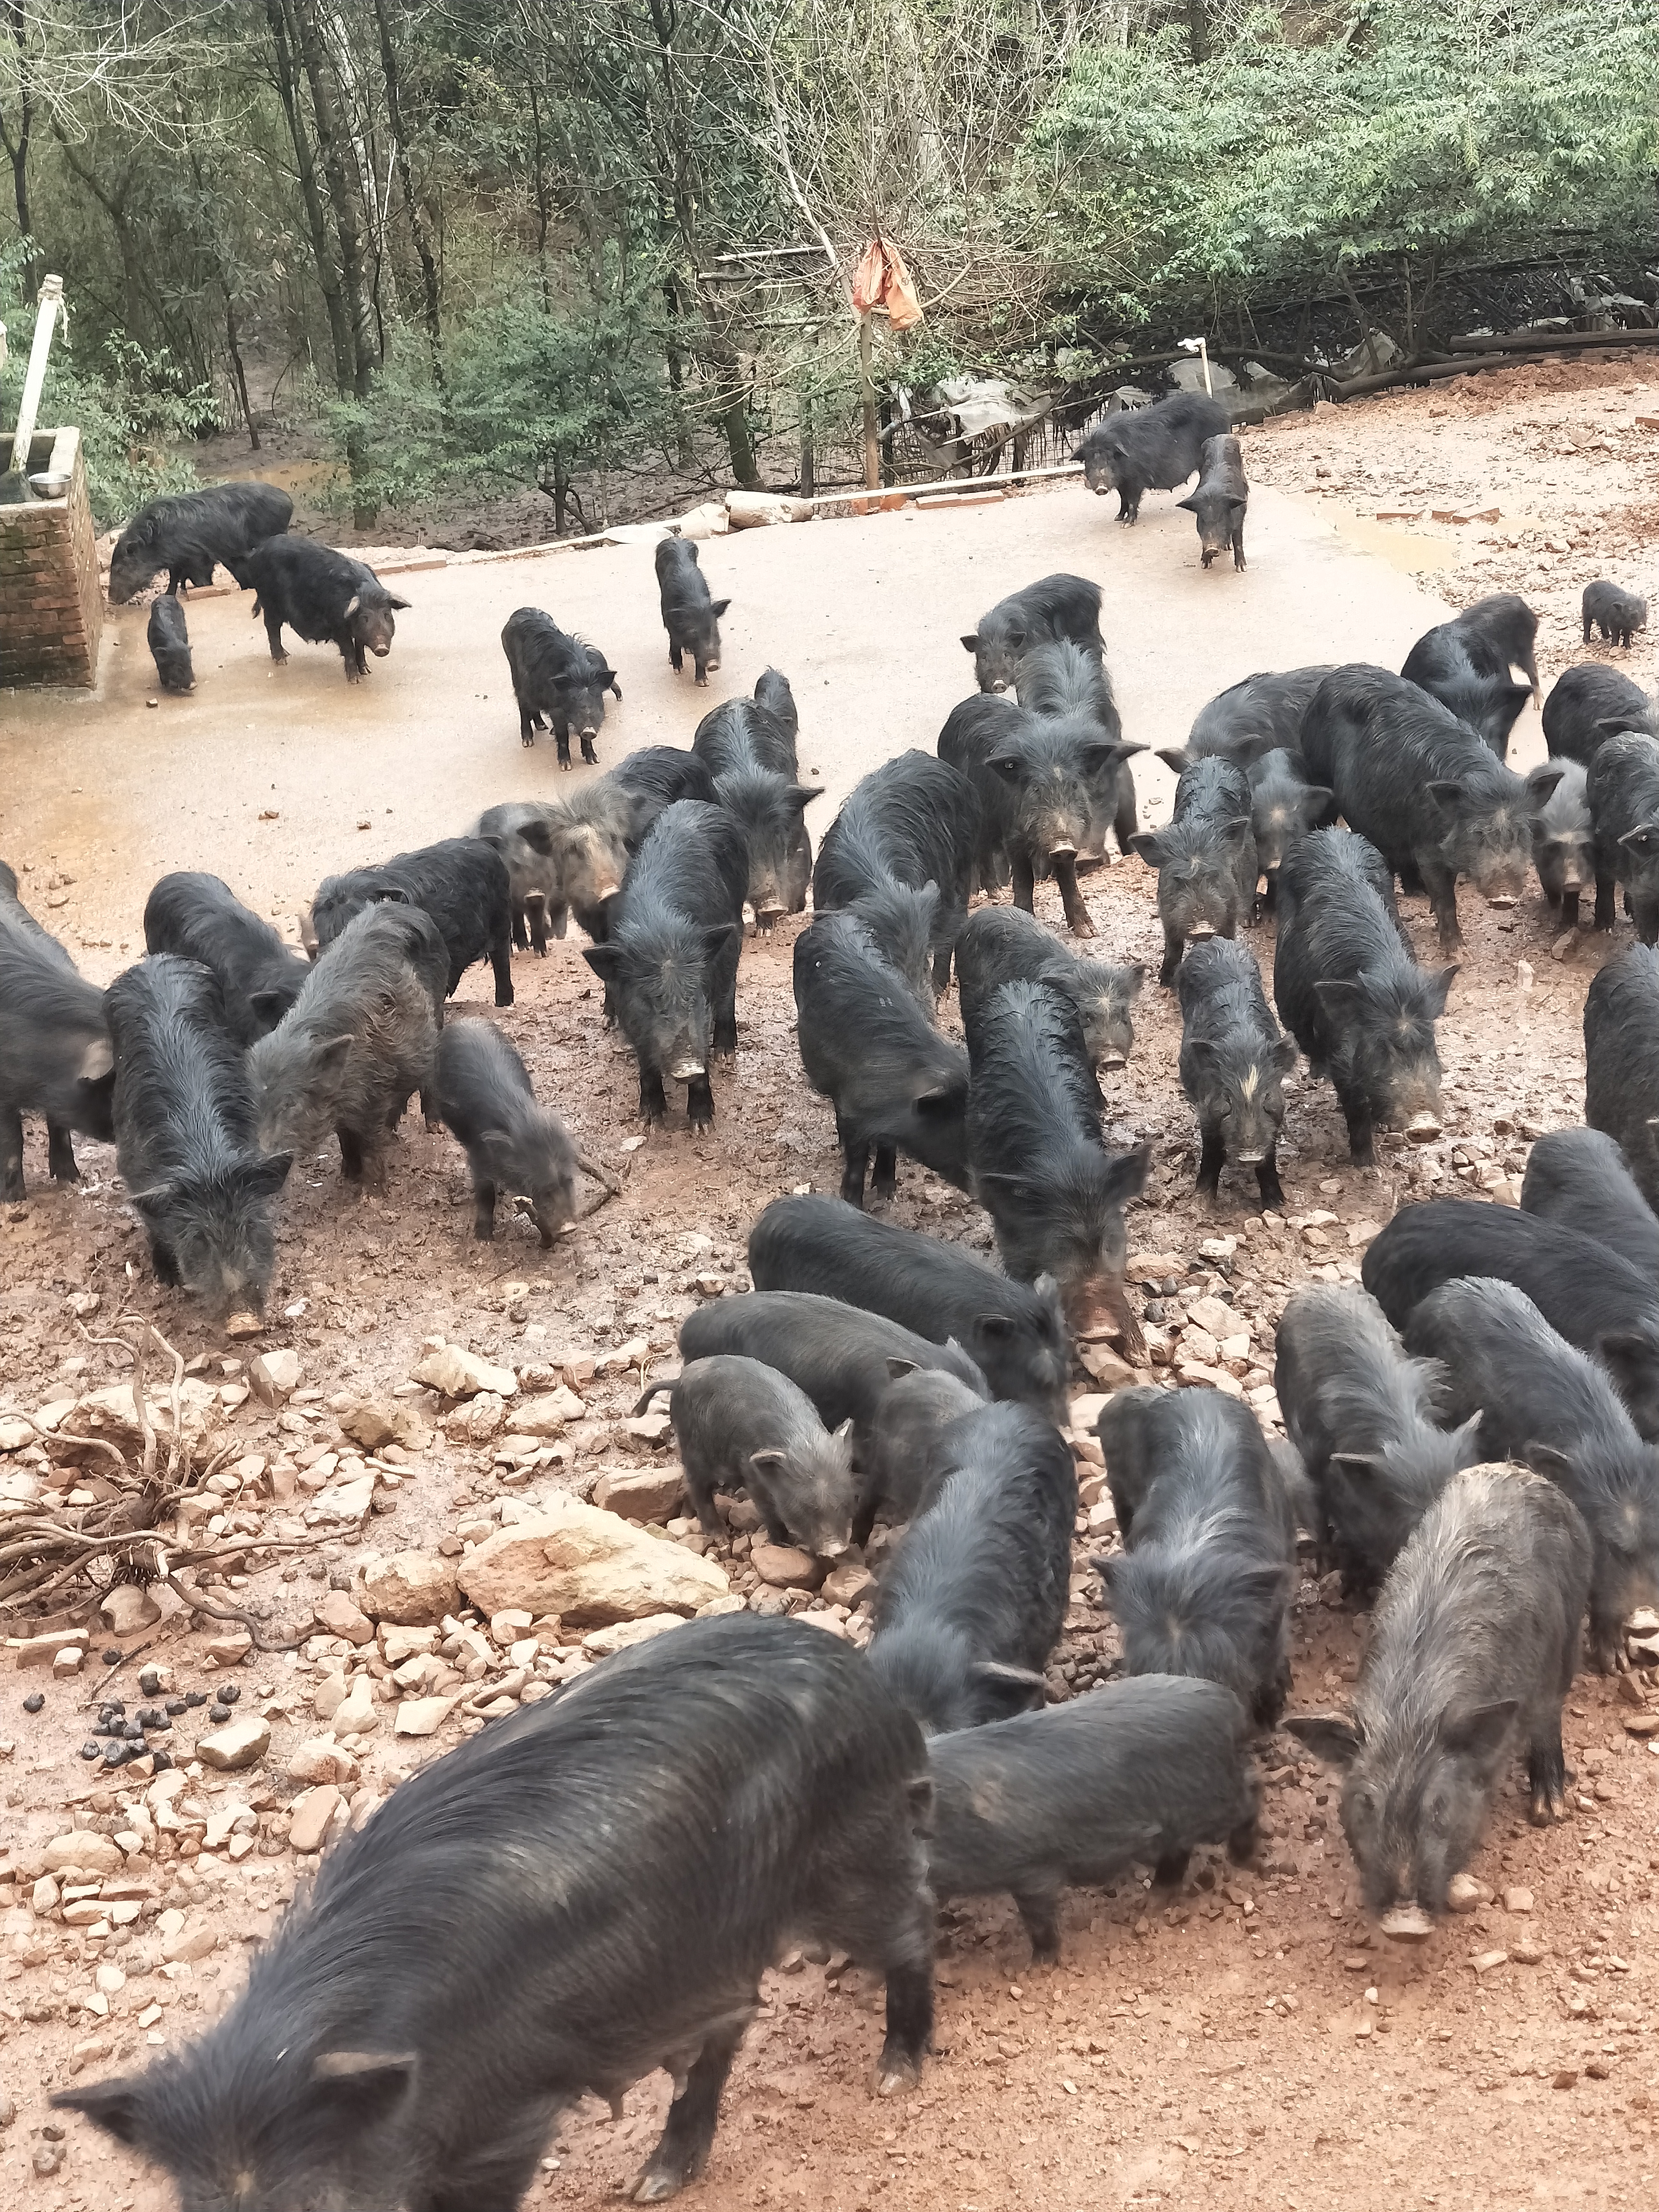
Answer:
x=1433 y=993
x=993 y=1327
x=717 y=940
x=1149 y=848
x=970 y=644
x=350 y=607
x=1317 y=798
x=766 y=1463
x=1236 y=828
x=1479 y=1730
x=803 y=794
x=403 y=605
x=1336 y=997
x=1516 y=695
x=1540 y=784
x=266 y=1004
x=898 y=1369
x=1330 y=1736
x=118 y=2108
x=1175 y=757
x=1098 y=758
x=1133 y=977
x=1446 y=791
x=606 y=961
x=1466 y=1440
x=1626 y=1355
x=1544 y=1459
x=1126 y=1174
x=1191 y=505
x=1284 y=1056
x=332 y=1055
x=266 y=1177
x=718 y=608
x=942 y=1098
x=1238 y=506
x=539 y=835
x=843 y=1435
x=363 y=2088
x=1012 y=1689
x=1205 y=1051
x=1643 y=839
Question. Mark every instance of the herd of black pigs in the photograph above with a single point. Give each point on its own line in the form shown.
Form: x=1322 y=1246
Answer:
x=1470 y=1438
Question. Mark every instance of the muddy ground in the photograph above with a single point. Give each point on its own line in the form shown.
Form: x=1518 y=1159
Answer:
x=1247 y=2042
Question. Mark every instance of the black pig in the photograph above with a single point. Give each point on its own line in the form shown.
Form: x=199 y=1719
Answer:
x=1150 y=448
x=201 y=918
x=1580 y=1178
x=740 y=1424
x=1622 y=787
x=1263 y=713
x=973 y=1600
x=186 y=1134
x=461 y=882
x=325 y=597
x=1054 y=1195
x=1449 y=1691
x=900 y=854
x=669 y=965
x=1538 y=1400
x=484 y=1095
x=1220 y=501
x=188 y=533
x=1284 y=808
x=750 y=754
x=730 y=1788
x=1564 y=839
x=1586 y=1292
x=1591 y=703
x=1000 y=944
x=688 y=615
x=1365 y=1418
x=895 y=1083
x=1465 y=664
x=558 y=681
x=1058 y=606
x=169 y=638
x=56 y=1059
x=1062 y=680
x=1144 y=1769
x=1233 y=1065
x=1206 y=860
x=1351 y=995
x=906 y=1450
x=1621 y=1060
x=566 y=856
x=1205 y=1582
x=1615 y=613
x=1015 y=1332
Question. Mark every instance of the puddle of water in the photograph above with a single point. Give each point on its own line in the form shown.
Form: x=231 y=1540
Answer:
x=1407 y=550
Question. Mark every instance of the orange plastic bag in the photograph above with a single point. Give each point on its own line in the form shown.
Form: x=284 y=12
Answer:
x=883 y=281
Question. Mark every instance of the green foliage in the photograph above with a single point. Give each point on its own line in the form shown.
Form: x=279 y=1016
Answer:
x=130 y=407
x=1454 y=131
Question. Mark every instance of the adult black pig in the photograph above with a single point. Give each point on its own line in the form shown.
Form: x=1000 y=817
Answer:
x=187 y=533
x=901 y=854
x=1150 y=448
x=1590 y=703
x=56 y=1059
x=461 y=882
x=688 y=615
x=325 y=597
x=201 y=918
x=1057 y=607
x=1220 y=502
x=559 y=681
x=1621 y=1060
x=1580 y=1179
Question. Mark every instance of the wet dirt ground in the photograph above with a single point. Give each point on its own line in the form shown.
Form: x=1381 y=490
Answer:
x=1247 y=2042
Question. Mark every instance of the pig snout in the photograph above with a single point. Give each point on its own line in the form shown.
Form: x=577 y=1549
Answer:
x=1251 y=1159
x=1111 y=1059
x=1200 y=931
x=1062 y=848
x=1423 y=1128
x=686 y=1069
x=1406 y=1923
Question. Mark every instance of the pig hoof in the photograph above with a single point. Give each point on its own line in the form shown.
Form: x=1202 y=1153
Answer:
x=654 y=2186
x=897 y=2077
x=1083 y=927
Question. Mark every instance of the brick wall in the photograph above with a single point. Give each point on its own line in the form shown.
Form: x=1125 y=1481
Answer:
x=52 y=604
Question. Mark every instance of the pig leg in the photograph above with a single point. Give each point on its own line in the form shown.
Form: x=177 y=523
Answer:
x=588 y=753
x=1211 y=1157
x=273 y=632
x=1569 y=909
x=676 y=655
x=60 y=1155
x=484 y=1209
x=11 y=1154
x=1546 y=1770
x=1605 y=1645
x=700 y=1481
x=536 y=917
x=854 y=1168
x=1645 y=912
x=501 y=962
x=561 y=738
x=723 y=1042
x=1587 y=629
x=884 y=1180
x=941 y=970
x=683 y=2152
x=1174 y=946
x=1357 y=1115
x=1170 y=1870
x=699 y=1102
x=1604 y=891
x=1441 y=884
x=1240 y=1844
x=1238 y=545
x=1025 y=881
x=1071 y=898
x=162 y=1258
x=1266 y=1176
x=520 y=938
x=653 y=1100
x=1040 y=1910
x=1124 y=823
x=702 y=675
x=351 y=1155
x=527 y=724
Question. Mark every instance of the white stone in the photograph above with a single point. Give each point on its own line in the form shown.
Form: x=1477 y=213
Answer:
x=421 y=1716
x=589 y=1567
x=239 y=1743
x=454 y=1372
x=312 y=1813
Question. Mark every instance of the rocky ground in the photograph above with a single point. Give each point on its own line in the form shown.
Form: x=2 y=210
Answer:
x=347 y=1494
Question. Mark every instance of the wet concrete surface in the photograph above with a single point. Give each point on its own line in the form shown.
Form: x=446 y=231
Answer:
x=864 y=616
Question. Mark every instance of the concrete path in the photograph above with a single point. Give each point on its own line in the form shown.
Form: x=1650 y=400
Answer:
x=864 y=616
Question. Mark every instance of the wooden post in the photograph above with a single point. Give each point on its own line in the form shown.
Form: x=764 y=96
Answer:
x=34 y=378
x=867 y=386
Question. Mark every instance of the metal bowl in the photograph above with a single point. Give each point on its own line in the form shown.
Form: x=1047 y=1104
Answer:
x=47 y=485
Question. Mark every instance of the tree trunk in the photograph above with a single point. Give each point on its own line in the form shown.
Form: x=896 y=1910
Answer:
x=288 y=87
x=1198 y=29
x=544 y=202
x=353 y=266
x=232 y=346
x=17 y=149
x=406 y=179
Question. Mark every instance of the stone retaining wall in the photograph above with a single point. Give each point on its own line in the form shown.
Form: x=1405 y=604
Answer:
x=52 y=604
